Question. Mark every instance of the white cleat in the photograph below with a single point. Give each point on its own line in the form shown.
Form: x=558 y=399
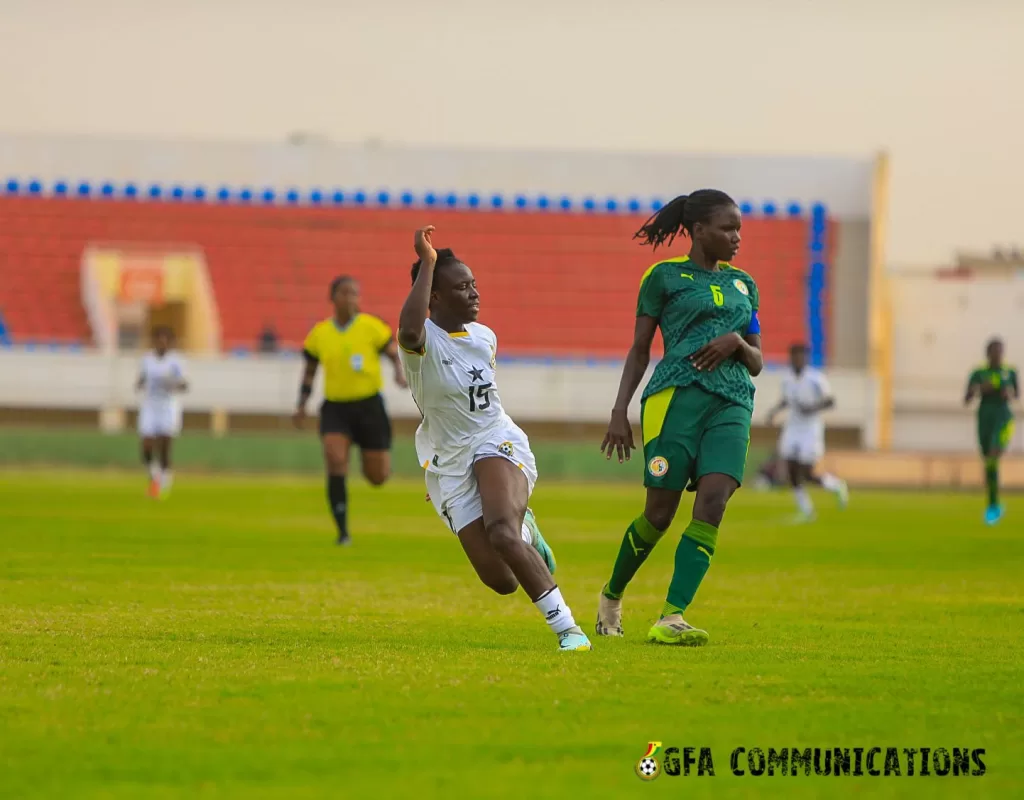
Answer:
x=609 y=616
x=574 y=639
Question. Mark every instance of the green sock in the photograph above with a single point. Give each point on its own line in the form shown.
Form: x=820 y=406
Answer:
x=637 y=544
x=992 y=480
x=693 y=557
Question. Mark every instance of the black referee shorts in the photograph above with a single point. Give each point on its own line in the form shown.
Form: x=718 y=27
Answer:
x=365 y=422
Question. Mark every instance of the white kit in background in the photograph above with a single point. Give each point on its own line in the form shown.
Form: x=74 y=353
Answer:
x=803 y=435
x=160 y=409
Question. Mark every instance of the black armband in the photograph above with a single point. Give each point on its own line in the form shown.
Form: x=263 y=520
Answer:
x=304 y=392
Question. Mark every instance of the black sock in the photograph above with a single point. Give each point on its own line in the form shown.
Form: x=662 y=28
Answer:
x=337 y=496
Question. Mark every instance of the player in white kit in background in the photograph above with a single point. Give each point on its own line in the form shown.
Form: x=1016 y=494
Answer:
x=161 y=380
x=479 y=468
x=806 y=394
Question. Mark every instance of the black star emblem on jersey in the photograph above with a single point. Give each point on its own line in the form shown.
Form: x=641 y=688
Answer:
x=476 y=373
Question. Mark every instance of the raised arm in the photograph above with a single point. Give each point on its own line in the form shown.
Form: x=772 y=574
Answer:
x=412 y=334
x=619 y=438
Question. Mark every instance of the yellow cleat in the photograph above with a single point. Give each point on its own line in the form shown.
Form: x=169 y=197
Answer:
x=673 y=629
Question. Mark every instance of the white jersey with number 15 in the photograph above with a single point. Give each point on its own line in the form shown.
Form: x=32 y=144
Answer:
x=453 y=383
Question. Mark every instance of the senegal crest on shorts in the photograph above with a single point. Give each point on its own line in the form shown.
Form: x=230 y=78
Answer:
x=506 y=449
x=741 y=287
x=657 y=466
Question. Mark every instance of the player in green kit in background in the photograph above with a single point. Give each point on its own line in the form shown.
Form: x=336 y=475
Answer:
x=997 y=384
x=696 y=409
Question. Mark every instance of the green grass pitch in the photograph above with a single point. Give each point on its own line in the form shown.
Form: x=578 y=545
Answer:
x=218 y=644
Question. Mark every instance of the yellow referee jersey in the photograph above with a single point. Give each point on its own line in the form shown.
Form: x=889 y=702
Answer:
x=350 y=356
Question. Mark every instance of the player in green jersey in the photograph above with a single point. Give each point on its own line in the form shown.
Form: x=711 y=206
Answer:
x=998 y=387
x=696 y=409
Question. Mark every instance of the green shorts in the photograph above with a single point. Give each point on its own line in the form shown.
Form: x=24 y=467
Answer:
x=689 y=433
x=994 y=434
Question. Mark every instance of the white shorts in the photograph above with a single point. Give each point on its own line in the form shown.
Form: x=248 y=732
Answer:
x=803 y=445
x=456 y=498
x=159 y=419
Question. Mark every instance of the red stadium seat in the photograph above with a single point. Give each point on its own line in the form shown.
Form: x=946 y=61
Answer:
x=553 y=284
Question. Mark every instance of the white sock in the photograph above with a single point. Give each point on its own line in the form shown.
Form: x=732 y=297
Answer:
x=555 y=611
x=166 y=479
x=831 y=482
x=154 y=470
x=803 y=500
x=527 y=536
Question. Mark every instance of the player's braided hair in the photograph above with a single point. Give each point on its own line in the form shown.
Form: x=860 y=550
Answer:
x=445 y=257
x=681 y=214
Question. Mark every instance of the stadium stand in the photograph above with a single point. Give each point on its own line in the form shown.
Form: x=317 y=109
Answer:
x=556 y=283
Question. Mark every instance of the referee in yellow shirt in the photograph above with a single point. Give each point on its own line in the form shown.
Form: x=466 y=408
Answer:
x=349 y=345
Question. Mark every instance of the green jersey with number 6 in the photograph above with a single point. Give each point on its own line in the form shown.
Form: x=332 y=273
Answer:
x=694 y=306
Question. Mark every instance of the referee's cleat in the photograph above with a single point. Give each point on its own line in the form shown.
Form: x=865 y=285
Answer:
x=673 y=629
x=537 y=540
x=574 y=639
x=993 y=514
x=344 y=540
x=609 y=616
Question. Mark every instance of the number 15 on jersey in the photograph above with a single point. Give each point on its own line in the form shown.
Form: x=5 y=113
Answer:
x=479 y=397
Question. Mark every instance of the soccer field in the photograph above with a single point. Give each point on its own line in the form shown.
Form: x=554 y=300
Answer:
x=219 y=644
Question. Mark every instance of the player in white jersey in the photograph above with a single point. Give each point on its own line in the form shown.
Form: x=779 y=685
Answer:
x=479 y=468
x=161 y=380
x=806 y=394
